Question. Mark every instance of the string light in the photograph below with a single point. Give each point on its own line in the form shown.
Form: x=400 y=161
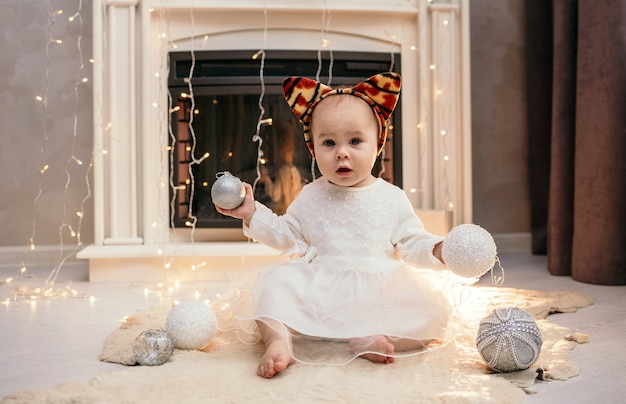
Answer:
x=261 y=120
x=48 y=291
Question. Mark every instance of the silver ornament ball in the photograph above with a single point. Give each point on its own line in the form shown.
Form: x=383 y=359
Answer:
x=469 y=251
x=227 y=191
x=152 y=347
x=508 y=340
x=191 y=325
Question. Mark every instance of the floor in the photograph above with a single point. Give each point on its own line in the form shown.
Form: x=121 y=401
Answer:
x=58 y=339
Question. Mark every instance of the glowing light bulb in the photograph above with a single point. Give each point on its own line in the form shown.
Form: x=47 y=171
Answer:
x=446 y=158
x=44 y=168
x=443 y=133
x=432 y=67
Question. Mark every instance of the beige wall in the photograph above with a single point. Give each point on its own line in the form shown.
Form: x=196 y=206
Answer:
x=33 y=134
x=501 y=201
x=498 y=105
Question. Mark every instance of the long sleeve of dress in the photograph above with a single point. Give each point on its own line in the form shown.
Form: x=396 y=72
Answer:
x=414 y=244
x=279 y=232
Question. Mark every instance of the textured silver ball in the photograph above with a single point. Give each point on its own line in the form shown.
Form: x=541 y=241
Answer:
x=152 y=347
x=509 y=340
x=227 y=191
x=191 y=325
x=469 y=251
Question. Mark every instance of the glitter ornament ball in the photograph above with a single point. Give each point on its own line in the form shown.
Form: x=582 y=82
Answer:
x=469 y=251
x=227 y=191
x=190 y=325
x=509 y=340
x=152 y=347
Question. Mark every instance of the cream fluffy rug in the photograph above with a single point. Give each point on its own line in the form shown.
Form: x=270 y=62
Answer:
x=226 y=373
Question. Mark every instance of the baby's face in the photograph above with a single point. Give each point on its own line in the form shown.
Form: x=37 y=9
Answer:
x=345 y=139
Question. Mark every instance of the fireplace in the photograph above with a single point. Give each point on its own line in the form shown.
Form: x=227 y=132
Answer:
x=429 y=154
x=216 y=124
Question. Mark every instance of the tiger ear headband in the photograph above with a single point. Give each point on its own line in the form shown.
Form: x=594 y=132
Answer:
x=380 y=91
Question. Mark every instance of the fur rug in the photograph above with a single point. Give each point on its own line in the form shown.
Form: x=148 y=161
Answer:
x=226 y=373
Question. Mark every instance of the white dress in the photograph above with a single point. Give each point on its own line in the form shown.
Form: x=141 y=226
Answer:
x=351 y=277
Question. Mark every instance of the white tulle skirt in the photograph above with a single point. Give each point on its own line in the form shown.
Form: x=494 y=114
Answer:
x=319 y=306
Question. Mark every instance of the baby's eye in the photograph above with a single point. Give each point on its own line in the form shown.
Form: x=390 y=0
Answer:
x=355 y=141
x=328 y=142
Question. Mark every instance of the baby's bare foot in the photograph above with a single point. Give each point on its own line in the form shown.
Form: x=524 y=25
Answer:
x=275 y=359
x=376 y=344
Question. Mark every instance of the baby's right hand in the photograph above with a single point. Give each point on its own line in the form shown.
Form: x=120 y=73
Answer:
x=245 y=211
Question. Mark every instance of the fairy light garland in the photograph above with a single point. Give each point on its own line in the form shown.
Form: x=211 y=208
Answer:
x=261 y=120
x=48 y=290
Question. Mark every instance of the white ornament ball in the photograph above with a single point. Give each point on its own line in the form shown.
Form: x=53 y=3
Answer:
x=191 y=325
x=227 y=191
x=509 y=340
x=152 y=347
x=469 y=251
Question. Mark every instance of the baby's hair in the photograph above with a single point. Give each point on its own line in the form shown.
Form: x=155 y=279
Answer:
x=337 y=99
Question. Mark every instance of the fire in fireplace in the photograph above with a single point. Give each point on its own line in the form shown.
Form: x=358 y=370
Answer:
x=215 y=119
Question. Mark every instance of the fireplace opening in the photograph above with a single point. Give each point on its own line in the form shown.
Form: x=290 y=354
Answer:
x=216 y=122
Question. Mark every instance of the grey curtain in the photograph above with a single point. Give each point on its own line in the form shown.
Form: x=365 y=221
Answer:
x=576 y=75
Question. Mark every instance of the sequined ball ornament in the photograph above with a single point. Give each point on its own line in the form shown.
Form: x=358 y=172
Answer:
x=469 y=251
x=153 y=347
x=508 y=340
x=191 y=325
x=227 y=191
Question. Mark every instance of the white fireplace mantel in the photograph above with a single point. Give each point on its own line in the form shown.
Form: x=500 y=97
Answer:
x=133 y=240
